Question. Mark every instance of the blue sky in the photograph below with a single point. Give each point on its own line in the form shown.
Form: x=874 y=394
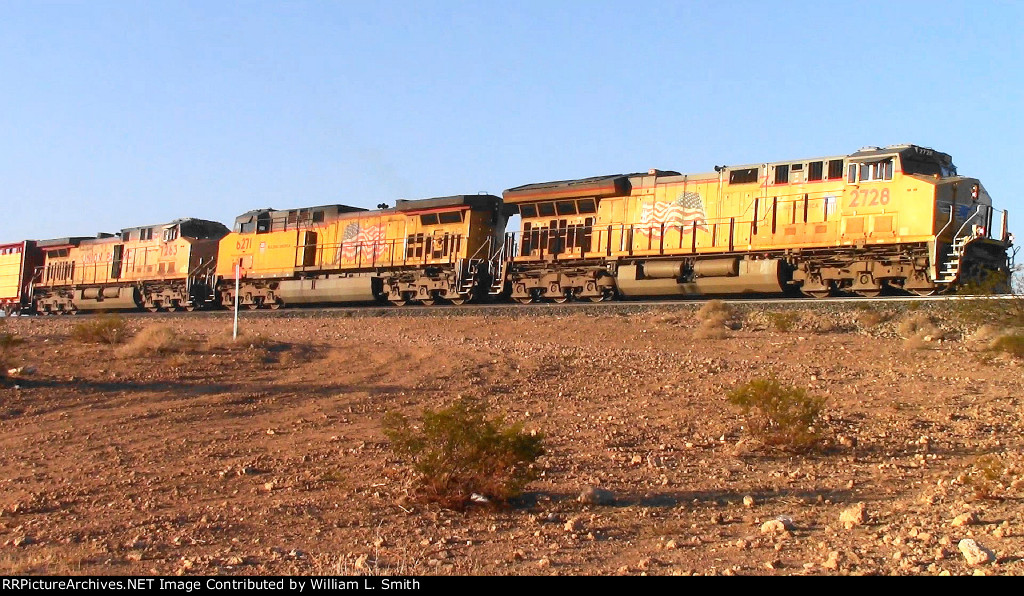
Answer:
x=115 y=114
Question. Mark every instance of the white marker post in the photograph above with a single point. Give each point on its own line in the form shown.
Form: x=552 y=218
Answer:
x=238 y=274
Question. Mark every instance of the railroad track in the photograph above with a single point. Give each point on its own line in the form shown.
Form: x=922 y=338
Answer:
x=511 y=309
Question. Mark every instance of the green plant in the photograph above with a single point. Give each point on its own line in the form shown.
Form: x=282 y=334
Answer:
x=779 y=415
x=459 y=451
x=999 y=300
x=1012 y=344
x=987 y=476
x=104 y=329
x=782 y=321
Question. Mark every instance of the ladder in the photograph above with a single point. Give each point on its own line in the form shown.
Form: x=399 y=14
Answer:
x=951 y=268
x=204 y=274
x=499 y=265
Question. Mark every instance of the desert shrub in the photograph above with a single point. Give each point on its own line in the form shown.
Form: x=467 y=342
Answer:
x=779 y=415
x=916 y=323
x=986 y=333
x=459 y=451
x=782 y=321
x=1012 y=344
x=156 y=339
x=919 y=329
x=872 y=318
x=224 y=338
x=1004 y=306
x=7 y=342
x=104 y=329
x=990 y=477
x=714 y=318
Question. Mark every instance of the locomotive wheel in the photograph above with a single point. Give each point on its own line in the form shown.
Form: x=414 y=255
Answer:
x=190 y=308
x=153 y=308
x=399 y=302
x=252 y=306
x=818 y=293
x=276 y=304
x=524 y=299
x=457 y=301
x=173 y=307
x=561 y=299
x=868 y=293
x=428 y=301
x=924 y=292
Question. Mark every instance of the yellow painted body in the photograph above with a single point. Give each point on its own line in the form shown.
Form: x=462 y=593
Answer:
x=357 y=242
x=11 y=272
x=95 y=262
x=705 y=214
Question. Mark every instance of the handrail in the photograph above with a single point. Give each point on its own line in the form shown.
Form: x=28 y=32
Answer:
x=966 y=221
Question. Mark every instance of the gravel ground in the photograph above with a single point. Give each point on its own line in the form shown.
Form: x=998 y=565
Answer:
x=266 y=456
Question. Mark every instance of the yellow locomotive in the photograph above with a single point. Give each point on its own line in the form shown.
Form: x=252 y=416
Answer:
x=896 y=217
x=159 y=267
x=424 y=250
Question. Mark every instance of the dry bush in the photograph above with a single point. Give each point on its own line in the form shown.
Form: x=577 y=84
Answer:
x=1012 y=344
x=990 y=477
x=873 y=318
x=915 y=323
x=459 y=451
x=7 y=342
x=826 y=325
x=986 y=333
x=782 y=321
x=224 y=338
x=104 y=329
x=156 y=339
x=780 y=416
x=714 y=317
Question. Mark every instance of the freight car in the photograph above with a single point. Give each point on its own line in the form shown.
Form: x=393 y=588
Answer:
x=18 y=262
x=898 y=217
x=157 y=267
x=427 y=250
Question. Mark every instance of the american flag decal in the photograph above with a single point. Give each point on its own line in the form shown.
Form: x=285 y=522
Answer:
x=684 y=212
x=368 y=243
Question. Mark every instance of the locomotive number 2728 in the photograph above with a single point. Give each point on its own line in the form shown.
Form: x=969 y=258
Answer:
x=869 y=198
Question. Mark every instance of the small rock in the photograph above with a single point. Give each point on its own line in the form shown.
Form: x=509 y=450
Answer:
x=597 y=496
x=853 y=516
x=574 y=525
x=478 y=498
x=964 y=519
x=776 y=526
x=361 y=562
x=544 y=563
x=671 y=545
x=748 y=501
x=974 y=553
x=832 y=562
x=23 y=541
